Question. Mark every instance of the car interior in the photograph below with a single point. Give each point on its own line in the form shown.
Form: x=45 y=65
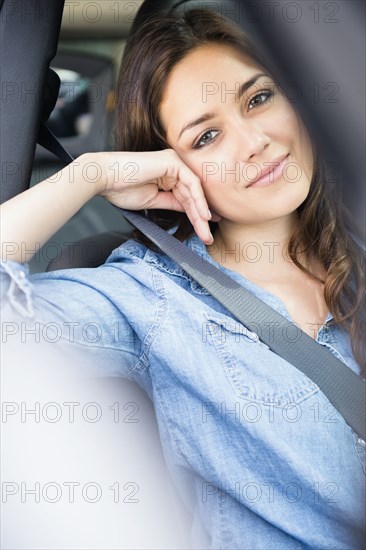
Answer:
x=59 y=63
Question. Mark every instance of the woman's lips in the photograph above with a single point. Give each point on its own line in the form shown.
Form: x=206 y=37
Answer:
x=271 y=177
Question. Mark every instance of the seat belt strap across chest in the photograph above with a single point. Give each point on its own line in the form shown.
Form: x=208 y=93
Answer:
x=345 y=389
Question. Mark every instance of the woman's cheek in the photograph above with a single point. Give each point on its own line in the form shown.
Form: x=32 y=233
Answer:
x=208 y=173
x=287 y=120
x=213 y=191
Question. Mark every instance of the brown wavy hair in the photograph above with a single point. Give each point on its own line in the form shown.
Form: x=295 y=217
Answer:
x=322 y=235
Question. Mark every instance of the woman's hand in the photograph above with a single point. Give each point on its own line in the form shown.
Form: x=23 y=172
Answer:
x=154 y=179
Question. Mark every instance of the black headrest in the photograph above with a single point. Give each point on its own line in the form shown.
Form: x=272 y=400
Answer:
x=29 y=34
x=50 y=96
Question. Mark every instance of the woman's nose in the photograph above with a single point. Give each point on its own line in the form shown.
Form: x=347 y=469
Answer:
x=251 y=139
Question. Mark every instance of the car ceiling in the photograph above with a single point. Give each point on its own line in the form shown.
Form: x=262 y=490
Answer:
x=106 y=19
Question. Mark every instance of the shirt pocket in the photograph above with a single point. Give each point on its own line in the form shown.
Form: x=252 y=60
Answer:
x=254 y=371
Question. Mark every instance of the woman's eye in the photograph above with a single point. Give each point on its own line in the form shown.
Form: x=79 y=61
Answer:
x=205 y=139
x=267 y=94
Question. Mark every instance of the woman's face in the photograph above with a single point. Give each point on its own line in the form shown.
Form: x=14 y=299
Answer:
x=228 y=141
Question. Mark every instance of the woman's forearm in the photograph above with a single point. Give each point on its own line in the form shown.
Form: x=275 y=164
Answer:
x=32 y=217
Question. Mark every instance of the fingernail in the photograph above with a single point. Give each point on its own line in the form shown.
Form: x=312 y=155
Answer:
x=209 y=214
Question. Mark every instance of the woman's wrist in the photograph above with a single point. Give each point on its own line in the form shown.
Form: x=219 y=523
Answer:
x=89 y=170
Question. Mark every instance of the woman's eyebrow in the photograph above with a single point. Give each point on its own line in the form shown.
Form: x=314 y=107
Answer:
x=203 y=118
x=207 y=116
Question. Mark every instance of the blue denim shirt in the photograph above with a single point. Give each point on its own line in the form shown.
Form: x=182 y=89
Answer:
x=260 y=457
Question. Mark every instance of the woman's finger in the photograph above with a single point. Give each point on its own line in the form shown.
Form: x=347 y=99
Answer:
x=199 y=223
x=190 y=186
x=166 y=201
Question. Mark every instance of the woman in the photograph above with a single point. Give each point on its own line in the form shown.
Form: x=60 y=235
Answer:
x=253 y=444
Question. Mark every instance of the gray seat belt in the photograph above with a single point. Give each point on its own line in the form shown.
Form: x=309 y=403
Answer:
x=345 y=389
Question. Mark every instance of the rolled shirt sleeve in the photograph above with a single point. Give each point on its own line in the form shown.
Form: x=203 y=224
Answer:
x=68 y=314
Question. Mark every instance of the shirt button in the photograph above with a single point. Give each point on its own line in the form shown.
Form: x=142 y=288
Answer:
x=21 y=274
x=361 y=442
